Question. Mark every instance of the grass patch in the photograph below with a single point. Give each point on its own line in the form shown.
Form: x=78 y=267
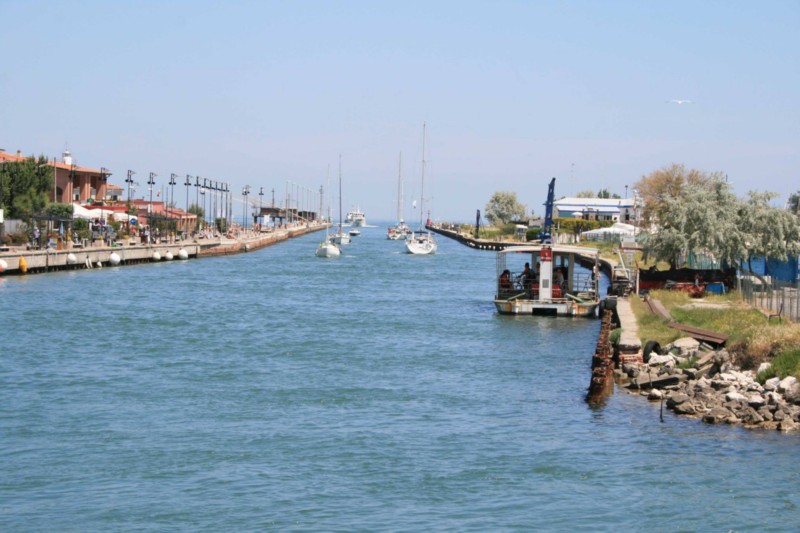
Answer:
x=783 y=365
x=751 y=338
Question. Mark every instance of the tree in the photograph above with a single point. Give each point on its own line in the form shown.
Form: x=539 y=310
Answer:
x=794 y=203
x=25 y=186
x=503 y=207
x=586 y=194
x=660 y=186
x=770 y=232
x=703 y=216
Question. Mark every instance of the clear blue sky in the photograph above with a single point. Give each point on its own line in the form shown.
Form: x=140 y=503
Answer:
x=513 y=93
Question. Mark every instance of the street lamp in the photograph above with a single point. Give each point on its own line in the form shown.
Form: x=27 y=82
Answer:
x=129 y=181
x=104 y=173
x=172 y=184
x=188 y=184
x=245 y=192
x=260 y=203
x=150 y=183
x=203 y=194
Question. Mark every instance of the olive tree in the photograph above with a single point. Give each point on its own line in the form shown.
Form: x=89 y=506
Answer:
x=503 y=207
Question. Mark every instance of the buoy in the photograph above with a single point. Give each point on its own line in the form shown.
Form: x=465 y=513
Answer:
x=71 y=259
x=88 y=263
x=156 y=256
x=114 y=259
x=183 y=254
x=23 y=265
x=99 y=264
x=168 y=256
x=3 y=266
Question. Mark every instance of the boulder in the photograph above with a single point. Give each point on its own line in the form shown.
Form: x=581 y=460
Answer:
x=658 y=360
x=763 y=367
x=686 y=345
x=685 y=408
x=772 y=384
x=706 y=359
x=790 y=388
x=787 y=425
x=676 y=399
x=733 y=396
x=756 y=401
x=718 y=415
x=654 y=395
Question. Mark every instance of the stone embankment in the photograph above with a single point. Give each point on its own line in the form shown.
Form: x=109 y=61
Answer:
x=129 y=252
x=707 y=385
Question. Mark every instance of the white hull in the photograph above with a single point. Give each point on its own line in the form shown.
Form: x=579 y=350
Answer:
x=422 y=245
x=359 y=222
x=327 y=249
x=354 y=232
x=341 y=238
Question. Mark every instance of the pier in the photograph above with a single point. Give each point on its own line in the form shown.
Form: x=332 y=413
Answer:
x=20 y=260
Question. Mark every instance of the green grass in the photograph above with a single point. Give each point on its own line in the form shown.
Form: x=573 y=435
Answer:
x=751 y=338
x=783 y=365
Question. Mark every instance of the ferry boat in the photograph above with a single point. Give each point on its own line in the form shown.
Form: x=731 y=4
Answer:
x=356 y=218
x=554 y=281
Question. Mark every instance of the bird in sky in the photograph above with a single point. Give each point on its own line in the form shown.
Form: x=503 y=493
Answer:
x=679 y=102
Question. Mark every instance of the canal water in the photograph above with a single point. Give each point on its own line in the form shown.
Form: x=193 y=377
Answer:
x=275 y=391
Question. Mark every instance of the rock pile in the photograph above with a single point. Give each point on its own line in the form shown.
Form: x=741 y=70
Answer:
x=713 y=389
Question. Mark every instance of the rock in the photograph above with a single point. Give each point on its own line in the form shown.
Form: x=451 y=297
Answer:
x=686 y=345
x=765 y=413
x=646 y=381
x=685 y=408
x=676 y=399
x=717 y=415
x=655 y=395
x=734 y=396
x=772 y=384
x=779 y=415
x=751 y=416
x=657 y=360
x=707 y=359
x=787 y=425
x=790 y=388
x=787 y=383
x=756 y=401
x=763 y=367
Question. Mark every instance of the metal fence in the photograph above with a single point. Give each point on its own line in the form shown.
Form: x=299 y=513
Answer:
x=775 y=297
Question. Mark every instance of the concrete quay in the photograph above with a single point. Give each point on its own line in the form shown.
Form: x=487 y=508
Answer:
x=129 y=252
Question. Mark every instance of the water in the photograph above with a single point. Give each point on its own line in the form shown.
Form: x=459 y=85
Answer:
x=378 y=391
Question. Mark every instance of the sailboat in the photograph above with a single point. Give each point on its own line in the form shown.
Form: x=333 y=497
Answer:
x=399 y=230
x=328 y=248
x=340 y=237
x=422 y=242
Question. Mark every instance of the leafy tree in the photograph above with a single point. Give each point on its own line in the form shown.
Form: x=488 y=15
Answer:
x=586 y=194
x=199 y=211
x=503 y=207
x=660 y=186
x=702 y=216
x=25 y=186
x=794 y=203
x=770 y=232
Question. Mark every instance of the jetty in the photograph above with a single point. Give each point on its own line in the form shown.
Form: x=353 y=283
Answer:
x=70 y=256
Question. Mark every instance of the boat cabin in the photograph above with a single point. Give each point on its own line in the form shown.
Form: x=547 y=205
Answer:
x=548 y=279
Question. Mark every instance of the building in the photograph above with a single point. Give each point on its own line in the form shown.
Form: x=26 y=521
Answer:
x=73 y=183
x=608 y=209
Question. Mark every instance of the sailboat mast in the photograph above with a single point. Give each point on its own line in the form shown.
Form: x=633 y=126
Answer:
x=340 y=193
x=422 y=188
x=400 y=189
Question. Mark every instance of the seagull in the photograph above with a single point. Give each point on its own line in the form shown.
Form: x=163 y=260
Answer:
x=679 y=102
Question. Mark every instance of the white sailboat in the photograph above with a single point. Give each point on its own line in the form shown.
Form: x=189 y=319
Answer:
x=328 y=248
x=399 y=230
x=340 y=237
x=421 y=242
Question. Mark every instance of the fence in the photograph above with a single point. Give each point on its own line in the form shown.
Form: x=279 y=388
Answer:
x=776 y=297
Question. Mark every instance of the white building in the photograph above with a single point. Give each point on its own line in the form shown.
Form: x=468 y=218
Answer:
x=609 y=209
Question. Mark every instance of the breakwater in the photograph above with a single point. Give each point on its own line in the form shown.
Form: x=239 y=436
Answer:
x=22 y=261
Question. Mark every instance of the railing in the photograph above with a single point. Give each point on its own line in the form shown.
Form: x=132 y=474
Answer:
x=777 y=297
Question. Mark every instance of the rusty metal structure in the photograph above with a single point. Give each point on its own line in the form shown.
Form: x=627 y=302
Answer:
x=602 y=381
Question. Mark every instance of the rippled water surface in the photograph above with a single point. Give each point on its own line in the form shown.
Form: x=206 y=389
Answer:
x=380 y=391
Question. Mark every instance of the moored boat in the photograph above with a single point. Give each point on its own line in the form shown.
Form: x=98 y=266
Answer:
x=554 y=282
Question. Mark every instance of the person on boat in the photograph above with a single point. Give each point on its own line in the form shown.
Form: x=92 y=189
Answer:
x=527 y=276
x=558 y=277
x=505 y=279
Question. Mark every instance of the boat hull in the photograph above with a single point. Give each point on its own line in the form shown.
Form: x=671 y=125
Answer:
x=328 y=250
x=554 y=307
x=420 y=247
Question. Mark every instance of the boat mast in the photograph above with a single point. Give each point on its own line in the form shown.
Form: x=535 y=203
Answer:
x=400 y=190
x=340 y=194
x=422 y=188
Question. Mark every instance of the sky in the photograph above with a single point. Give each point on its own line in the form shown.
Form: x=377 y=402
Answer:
x=512 y=93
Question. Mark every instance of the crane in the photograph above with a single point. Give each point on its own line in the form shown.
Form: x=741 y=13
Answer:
x=545 y=235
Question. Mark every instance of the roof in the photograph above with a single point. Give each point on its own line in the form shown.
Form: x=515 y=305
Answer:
x=600 y=204
x=557 y=248
x=18 y=158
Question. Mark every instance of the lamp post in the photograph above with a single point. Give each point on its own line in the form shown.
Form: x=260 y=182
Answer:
x=104 y=173
x=172 y=183
x=129 y=181
x=150 y=183
x=245 y=192
x=260 y=204
x=203 y=194
x=188 y=184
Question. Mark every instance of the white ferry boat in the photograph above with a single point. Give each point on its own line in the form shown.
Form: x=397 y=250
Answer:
x=356 y=218
x=551 y=281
